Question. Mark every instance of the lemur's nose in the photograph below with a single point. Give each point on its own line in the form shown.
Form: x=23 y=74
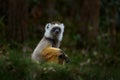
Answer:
x=57 y=31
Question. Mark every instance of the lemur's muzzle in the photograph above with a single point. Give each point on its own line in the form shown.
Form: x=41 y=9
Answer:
x=56 y=30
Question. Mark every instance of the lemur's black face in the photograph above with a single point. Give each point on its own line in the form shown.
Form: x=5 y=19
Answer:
x=55 y=31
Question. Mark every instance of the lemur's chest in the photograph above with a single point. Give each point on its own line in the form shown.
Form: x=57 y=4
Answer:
x=53 y=42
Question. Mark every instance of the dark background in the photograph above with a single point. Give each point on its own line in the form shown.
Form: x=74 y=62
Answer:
x=91 y=37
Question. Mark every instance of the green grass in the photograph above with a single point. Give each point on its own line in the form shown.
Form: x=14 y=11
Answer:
x=16 y=65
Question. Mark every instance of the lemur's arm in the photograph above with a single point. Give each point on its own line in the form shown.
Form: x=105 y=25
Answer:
x=51 y=54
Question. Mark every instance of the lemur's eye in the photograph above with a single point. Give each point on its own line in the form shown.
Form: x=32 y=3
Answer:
x=47 y=27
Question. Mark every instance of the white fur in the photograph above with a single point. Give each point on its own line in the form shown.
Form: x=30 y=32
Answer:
x=36 y=55
x=47 y=30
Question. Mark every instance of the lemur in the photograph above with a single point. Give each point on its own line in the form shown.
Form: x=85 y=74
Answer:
x=48 y=48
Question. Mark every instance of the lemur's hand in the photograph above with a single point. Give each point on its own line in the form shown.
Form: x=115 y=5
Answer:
x=56 y=55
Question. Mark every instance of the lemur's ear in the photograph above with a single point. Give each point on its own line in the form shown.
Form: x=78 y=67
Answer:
x=62 y=25
x=47 y=26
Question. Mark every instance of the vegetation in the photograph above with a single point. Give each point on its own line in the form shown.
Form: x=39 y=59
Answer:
x=17 y=66
x=91 y=39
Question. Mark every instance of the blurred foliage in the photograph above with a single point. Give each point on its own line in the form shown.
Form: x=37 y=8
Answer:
x=107 y=7
x=17 y=66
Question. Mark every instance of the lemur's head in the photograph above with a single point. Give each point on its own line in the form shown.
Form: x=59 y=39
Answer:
x=54 y=30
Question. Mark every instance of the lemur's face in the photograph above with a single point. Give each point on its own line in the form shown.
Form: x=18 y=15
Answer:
x=54 y=30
